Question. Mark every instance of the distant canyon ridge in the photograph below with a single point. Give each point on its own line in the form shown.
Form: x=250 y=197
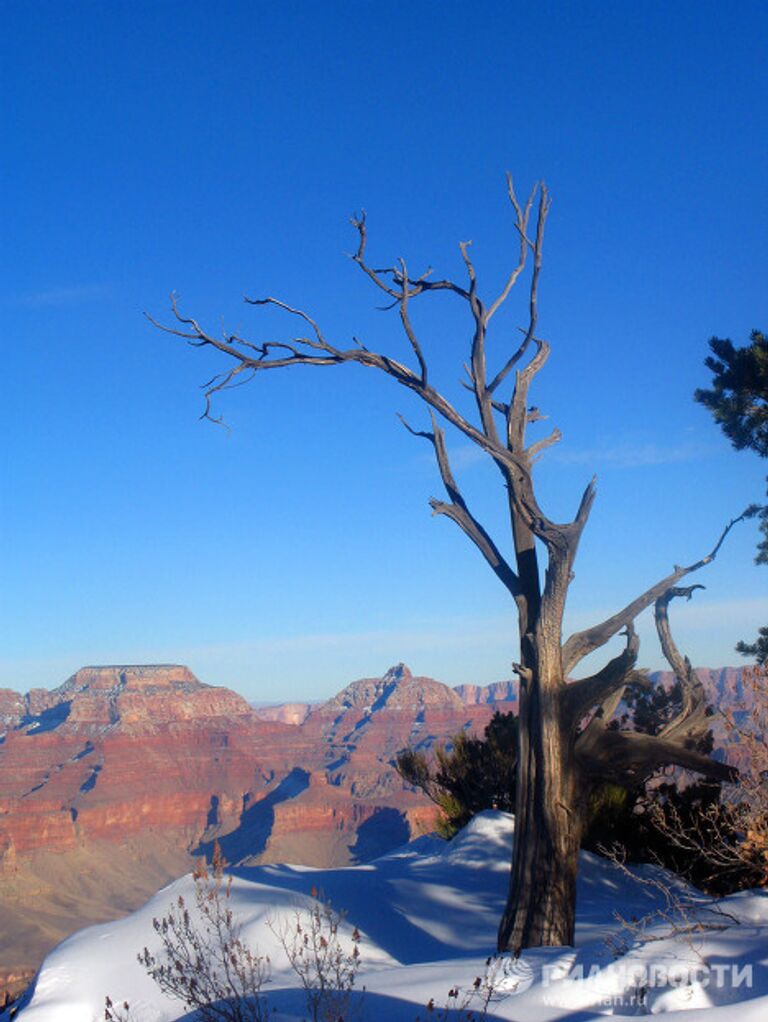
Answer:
x=113 y=782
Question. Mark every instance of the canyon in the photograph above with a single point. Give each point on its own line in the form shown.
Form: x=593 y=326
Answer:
x=113 y=783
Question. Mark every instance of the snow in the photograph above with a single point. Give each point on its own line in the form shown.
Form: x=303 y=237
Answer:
x=428 y=914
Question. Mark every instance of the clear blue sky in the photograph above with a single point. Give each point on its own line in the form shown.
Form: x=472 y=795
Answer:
x=218 y=149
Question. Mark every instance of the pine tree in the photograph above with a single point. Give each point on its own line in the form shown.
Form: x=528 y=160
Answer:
x=470 y=775
x=738 y=400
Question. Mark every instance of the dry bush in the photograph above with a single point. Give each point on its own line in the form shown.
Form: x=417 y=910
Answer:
x=501 y=977
x=204 y=961
x=682 y=913
x=117 y=1012
x=324 y=963
x=730 y=837
x=726 y=837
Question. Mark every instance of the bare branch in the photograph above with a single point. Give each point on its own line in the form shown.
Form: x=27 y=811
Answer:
x=359 y=257
x=319 y=343
x=317 y=350
x=629 y=755
x=416 y=432
x=511 y=362
x=613 y=754
x=581 y=696
x=477 y=372
x=535 y=450
x=580 y=644
x=481 y=539
x=602 y=715
x=458 y=511
x=692 y=722
x=518 y=415
x=588 y=740
x=377 y=275
x=585 y=506
x=463 y=247
x=544 y=204
x=232 y=344
x=521 y=224
x=406 y=321
x=223 y=381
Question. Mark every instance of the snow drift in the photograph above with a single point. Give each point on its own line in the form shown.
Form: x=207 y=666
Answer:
x=428 y=915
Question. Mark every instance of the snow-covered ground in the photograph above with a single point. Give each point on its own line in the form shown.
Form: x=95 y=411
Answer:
x=428 y=915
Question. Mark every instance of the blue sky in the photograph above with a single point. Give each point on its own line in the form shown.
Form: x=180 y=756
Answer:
x=218 y=150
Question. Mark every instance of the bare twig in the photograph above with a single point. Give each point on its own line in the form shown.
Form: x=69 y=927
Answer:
x=682 y=913
x=325 y=962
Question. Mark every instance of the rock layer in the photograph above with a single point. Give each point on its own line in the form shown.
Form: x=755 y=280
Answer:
x=496 y=692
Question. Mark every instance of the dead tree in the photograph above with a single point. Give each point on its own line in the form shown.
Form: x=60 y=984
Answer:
x=560 y=757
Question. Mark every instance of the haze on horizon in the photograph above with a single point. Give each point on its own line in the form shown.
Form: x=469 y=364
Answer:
x=159 y=147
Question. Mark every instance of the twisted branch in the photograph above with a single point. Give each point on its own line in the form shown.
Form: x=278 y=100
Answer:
x=618 y=755
x=692 y=722
x=580 y=644
x=581 y=696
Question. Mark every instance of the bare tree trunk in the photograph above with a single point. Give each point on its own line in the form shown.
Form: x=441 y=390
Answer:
x=541 y=904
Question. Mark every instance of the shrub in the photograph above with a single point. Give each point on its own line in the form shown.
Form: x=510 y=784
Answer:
x=473 y=775
x=324 y=963
x=204 y=961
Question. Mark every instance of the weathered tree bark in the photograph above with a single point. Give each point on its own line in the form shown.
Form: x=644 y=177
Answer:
x=565 y=744
x=548 y=825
